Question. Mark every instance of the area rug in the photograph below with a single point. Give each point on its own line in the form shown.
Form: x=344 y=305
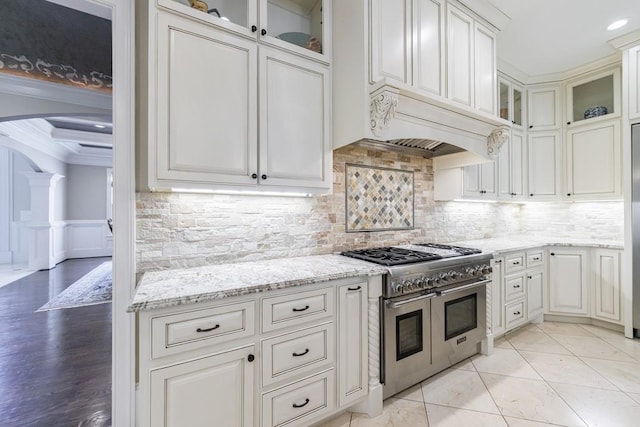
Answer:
x=92 y=288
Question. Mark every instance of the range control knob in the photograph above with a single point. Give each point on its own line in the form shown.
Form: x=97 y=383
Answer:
x=429 y=283
x=396 y=287
x=420 y=282
x=406 y=285
x=469 y=271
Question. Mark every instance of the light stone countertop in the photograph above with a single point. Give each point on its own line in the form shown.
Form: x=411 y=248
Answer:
x=168 y=288
x=500 y=245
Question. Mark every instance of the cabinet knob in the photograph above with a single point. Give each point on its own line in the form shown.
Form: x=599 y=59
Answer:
x=531 y=195
x=263 y=32
x=254 y=175
x=568 y=123
x=568 y=194
x=530 y=277
x=530 y=126
x=251 y=358
x=254 y=28
x=513 y=121
x=263 y=176
x=552 y=254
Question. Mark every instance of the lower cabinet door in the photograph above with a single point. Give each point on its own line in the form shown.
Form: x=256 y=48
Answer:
x=299 y=403
x=535 y=286
x=212 y=391
x=353 y=343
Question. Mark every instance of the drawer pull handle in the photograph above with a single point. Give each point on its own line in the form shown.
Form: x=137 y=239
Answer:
x=516 y=286
x=300 y=354
x=306 y=401
x=306 y=307
x=516 y=313
x=208 y=329
x=536 y=258
x=516 y=262
x=357 y=288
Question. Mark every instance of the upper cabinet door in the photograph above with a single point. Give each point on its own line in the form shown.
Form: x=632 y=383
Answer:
x=391 y=40
x=428 y=46
x=544 y=108
x=239 y=16
x=206 y=123
x=484 y=42
x=460 y=56
x=295 y=123
x=544 y=165
x=593 y=160
x=594 y=98
x=303 y=26
x=634 y=82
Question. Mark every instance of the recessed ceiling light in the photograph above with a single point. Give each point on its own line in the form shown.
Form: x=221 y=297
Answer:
x=100 y=126
x=617 y=24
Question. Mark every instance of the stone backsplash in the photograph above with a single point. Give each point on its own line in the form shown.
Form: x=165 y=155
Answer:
x=186 y=230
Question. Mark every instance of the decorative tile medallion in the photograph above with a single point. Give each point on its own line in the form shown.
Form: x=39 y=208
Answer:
x=378 y=198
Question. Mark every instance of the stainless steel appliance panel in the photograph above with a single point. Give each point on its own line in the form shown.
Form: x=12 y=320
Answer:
x=635 y=218
x=458 y=322
x=406 y=343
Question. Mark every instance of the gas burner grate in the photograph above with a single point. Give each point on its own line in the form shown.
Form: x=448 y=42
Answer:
x=390 y=256
x=459 y=249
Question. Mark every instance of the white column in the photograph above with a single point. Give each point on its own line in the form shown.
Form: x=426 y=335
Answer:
x=372 y=406
x=5 y=206
x=41 y=243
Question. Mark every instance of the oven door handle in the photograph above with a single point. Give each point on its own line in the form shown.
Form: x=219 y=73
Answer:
x=393 y=304
x=463 y=287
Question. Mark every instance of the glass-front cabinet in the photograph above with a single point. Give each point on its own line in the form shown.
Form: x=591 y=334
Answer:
x=510 y=97
x=297 y=25
x=594 y=96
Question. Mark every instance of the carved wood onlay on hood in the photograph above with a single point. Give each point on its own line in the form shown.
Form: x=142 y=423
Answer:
x=383 y=109
x=495 y=140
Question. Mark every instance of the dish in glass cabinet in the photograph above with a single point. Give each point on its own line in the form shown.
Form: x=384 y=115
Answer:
x=599 y=110
x=302 y=39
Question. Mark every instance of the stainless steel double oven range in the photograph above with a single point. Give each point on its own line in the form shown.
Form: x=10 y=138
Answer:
x=433 y=309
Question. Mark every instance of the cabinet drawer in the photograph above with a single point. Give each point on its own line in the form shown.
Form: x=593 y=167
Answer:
x=515 y=314
x=300 y=402
x=186 y=331
x=287 y=355
x=514 y=287
x=290 y=310
x=535 y=258
x=513 y=263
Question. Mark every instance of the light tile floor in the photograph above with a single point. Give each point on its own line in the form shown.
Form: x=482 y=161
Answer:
x=551 y=374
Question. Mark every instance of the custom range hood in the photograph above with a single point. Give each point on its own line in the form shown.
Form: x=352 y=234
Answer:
x=402 y=119
x=425 y=85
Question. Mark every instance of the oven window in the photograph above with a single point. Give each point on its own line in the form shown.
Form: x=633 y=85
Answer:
x=460 y=316
x=408 y=334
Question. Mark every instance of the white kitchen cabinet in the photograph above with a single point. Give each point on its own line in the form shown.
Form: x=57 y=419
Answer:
x=607 y=287
x=600 y=89
x=471 y=66
x=544 y=165
x=190 y=393
x=295 y=121
x=480 y=181
x=484 y=69
x=511 y=101
x=253 y=118
x=568 y=282
x=535 y=281
x=593 y=160
x=352 y=342
x=634 y=82
x=543 y=110
x=512 y=168
x=391 y=32
x=407 y=40
x=497 y=297
x=269 y=21
x=207 y=363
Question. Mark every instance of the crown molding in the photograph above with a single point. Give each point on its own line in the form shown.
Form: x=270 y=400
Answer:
x=82 y=137
x=24 y=86
x=626 y=41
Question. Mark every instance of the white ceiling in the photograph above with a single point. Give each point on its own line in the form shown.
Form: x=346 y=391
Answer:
x=555 y=36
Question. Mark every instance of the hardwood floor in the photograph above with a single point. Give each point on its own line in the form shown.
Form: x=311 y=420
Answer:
x=55 y=366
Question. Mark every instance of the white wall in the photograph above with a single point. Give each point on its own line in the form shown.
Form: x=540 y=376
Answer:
x=86 y=192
